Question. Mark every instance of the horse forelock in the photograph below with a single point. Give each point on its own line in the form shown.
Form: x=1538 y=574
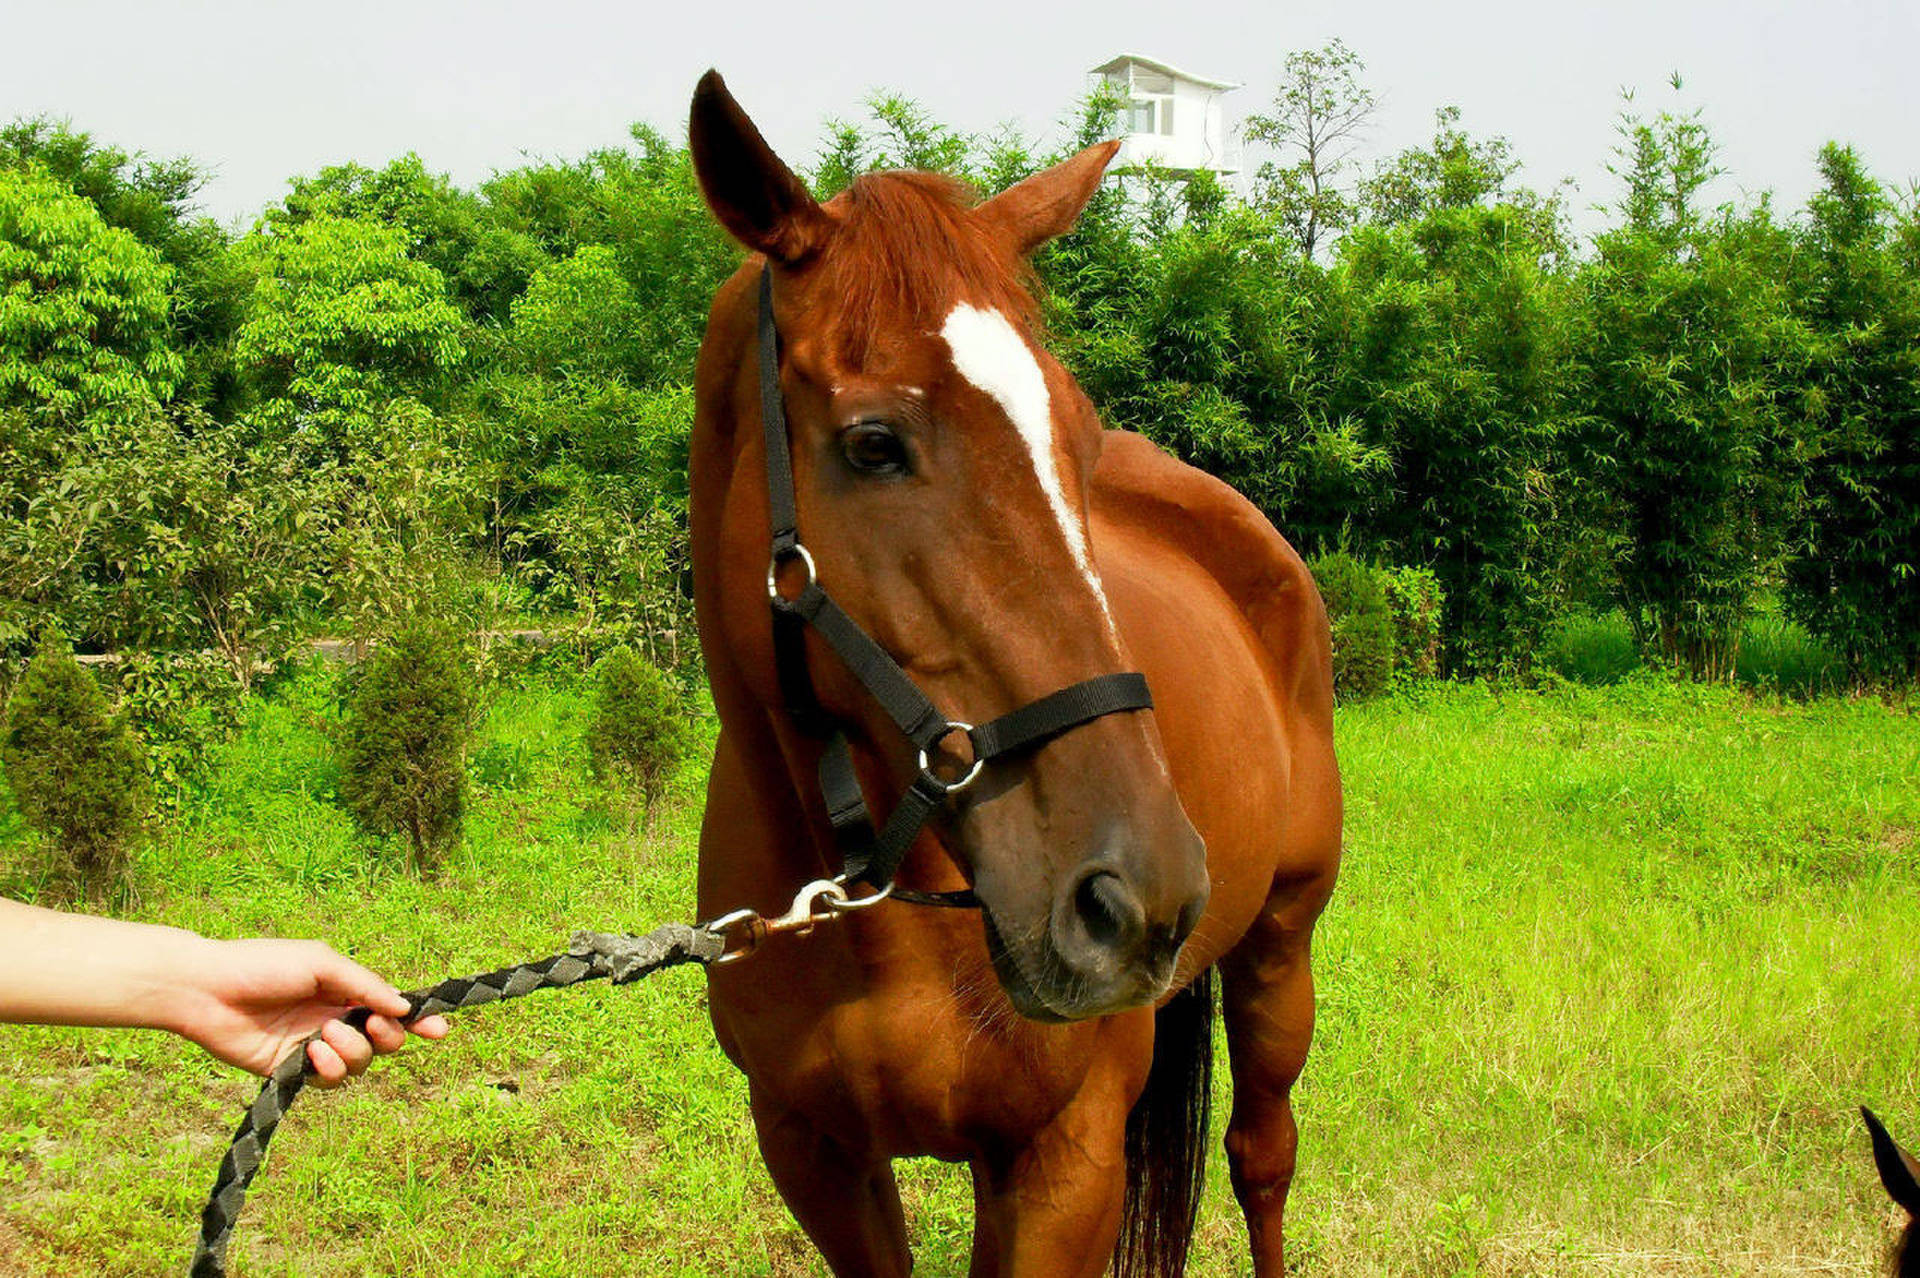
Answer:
x=906 y=252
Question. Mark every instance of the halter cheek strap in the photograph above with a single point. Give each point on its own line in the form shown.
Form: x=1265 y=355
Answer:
x=871 y=856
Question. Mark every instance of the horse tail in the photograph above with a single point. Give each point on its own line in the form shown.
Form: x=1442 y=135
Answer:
x=1167 y=1139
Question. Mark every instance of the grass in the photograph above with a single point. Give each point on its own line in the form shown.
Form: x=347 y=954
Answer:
x=1607 y=971
x=1776 y=654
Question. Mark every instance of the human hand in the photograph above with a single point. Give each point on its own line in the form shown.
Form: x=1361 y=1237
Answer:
x=250 y=1002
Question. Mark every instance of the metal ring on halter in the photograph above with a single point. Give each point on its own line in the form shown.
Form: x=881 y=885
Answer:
x=725 y=924
x=773 y=568
x=848 y=904
x=953 y=787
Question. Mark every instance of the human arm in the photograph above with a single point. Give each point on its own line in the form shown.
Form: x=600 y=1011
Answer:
x=247 y=1002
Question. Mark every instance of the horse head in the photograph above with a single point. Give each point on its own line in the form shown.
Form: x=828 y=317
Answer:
x=1900 y=1173
x=941 y=462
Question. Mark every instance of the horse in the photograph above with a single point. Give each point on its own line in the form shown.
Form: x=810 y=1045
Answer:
x=879 y=357
x=1900 y=1174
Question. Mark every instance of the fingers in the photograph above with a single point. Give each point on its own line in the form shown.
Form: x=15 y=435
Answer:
x=342 y=1052
x=430 y=1027
x=385 y=1033
x=344 y=980
x=328 y=1069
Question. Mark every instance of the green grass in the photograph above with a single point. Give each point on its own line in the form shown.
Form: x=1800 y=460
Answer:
x=1606 y=973
x=1776 y=653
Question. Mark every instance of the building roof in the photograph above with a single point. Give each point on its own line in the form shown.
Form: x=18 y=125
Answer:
x=1154 y=64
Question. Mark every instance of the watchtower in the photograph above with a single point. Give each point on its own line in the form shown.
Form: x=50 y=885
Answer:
x=1172 y=117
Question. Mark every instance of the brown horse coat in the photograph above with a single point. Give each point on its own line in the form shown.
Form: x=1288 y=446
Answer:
x=897 y=1030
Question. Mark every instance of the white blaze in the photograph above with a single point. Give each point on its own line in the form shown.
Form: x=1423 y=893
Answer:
x=991 y=354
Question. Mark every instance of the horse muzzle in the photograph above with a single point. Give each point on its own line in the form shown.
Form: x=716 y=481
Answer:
x=1107 y=941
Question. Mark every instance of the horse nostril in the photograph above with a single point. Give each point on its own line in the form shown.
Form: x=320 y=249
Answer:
x=1110 y=914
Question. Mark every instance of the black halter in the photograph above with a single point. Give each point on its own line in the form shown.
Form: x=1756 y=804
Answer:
x=872 y=857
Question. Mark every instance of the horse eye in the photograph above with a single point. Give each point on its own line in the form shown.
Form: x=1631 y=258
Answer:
x=873 y=449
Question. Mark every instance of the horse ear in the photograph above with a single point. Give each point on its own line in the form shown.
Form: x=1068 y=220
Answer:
x=755 y=196
x=1029 y=213
x=1899 y=1171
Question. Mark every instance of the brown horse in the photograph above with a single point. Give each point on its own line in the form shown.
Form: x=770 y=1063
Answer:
x=1900 y=1174
x=964 y=507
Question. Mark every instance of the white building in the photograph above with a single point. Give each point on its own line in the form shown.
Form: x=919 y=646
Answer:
x=1172 y=117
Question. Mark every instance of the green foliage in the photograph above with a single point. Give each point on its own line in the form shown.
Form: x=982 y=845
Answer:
x=343 y=320
x=399 y=396
x=152 y=200
x=151 y=528
x=83 y=305
x=1318 y=113
x=1691 y=355
x=74 y=769
x=1417 y=605
x=397 y=524
x=638 y=731
x=404 y=742
x=581 y=318
x=181 y=705
x=1591 y=647
x=1362 y=621
x=1454 y=360
x=485 y=264
x=1856 y=580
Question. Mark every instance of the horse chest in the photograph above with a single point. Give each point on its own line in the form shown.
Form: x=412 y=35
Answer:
x=929 y=1059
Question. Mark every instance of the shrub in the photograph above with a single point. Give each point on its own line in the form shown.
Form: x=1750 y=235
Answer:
x=638 y=731
x=180 y=705
x=1592 y=647
x=1417 y=605
x=1362 y=625
x=404 y=741
x=75 y=770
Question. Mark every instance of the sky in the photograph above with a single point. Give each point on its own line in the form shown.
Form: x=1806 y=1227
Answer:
x=261 y=91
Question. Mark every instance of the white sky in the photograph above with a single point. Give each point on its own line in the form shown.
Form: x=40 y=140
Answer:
x=264 y=90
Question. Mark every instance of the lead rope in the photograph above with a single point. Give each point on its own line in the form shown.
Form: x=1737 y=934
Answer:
x=591 y=956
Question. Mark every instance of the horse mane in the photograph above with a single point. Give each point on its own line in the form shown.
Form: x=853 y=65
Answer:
x=907 y=251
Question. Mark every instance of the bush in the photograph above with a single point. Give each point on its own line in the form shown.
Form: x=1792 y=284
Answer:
x=1417 y=605
x=1592 y=647
x=1778 y=655
x=639 y=730
x=180 y=705
x=404 y=742
x=1362 y=625
x=75 y=770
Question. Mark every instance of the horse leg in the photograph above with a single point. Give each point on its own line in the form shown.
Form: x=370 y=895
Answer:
x=1267 y=985
x=848 y=1203
x=1052 y=1209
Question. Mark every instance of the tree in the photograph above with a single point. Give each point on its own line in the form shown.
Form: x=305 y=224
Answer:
x=1856 y=580
x=580 y=318
x=1318 y=114
x=83 y=305
x=152 y=200
x=343 y=320
x=1454 y=171
x=485 y=263
x=1452 y=352
x=1690 y=356
x=74 y=768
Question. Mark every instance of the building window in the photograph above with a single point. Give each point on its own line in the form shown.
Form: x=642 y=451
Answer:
x=1140 y=116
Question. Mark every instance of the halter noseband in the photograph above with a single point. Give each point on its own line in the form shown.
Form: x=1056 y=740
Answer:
x=870 y=857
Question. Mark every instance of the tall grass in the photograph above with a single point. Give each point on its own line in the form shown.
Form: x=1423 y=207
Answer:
x=1776 y=653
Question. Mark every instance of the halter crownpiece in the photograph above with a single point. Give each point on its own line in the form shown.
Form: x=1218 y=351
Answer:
x=870 y=857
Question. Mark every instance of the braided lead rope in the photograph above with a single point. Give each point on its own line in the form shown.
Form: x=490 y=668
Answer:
x=591 y=956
